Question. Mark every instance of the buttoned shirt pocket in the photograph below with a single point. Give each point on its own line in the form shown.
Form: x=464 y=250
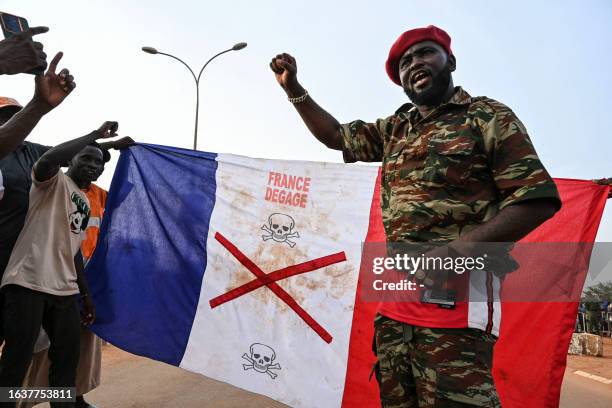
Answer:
x=450 y=160
x=392 y=159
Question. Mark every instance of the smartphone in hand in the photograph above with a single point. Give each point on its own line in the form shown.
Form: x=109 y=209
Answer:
x=12 y=25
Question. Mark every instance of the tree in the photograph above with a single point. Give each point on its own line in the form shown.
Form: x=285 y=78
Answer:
x=599 y=292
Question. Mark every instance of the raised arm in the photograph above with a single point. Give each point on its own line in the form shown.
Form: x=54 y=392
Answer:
x=320 y=123
x=50 y=90
x=118 y=144
x=50 y=162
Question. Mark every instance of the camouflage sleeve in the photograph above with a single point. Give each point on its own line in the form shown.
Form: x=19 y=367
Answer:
x=517 y=171
x=363 y=141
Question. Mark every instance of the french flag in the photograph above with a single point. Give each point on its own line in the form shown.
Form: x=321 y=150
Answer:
x=247 y=271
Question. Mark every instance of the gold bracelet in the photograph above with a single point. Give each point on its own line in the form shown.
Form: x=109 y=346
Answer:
x=299 y=99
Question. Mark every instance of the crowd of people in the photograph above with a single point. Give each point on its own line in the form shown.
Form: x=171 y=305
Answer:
x=595 y=318
x=49 y=225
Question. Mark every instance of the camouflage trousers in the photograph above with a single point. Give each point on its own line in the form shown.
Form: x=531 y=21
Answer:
x=427 y=368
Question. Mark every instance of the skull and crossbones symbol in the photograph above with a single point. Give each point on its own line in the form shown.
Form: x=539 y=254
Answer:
x=261 y=359
x=280 y=229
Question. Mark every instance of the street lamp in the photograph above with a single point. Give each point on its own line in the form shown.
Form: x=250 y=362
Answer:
x=236 y=47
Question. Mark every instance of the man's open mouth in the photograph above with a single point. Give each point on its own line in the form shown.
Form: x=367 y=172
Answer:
x=420 y=79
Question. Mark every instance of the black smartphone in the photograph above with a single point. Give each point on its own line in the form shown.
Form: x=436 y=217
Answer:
x=445 y=299
x=12 y=25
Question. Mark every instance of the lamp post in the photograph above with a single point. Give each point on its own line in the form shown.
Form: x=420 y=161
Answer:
x=236 y=47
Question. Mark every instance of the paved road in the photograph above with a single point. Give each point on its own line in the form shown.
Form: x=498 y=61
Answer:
x=584 y=393
x=131 y=382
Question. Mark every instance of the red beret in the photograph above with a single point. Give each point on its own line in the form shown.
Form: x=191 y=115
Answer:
x=408 y=39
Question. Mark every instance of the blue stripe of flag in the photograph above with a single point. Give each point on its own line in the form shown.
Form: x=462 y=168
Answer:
x=146 y=273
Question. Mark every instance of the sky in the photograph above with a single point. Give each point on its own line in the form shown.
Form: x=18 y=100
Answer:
x=548 y=60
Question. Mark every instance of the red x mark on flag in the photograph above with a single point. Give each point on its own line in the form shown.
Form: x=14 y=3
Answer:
x=270 y=279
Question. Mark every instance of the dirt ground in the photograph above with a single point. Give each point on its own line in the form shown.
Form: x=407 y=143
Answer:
x=601 y=366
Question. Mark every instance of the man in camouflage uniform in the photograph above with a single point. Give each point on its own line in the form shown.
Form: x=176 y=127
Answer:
x=456 y=170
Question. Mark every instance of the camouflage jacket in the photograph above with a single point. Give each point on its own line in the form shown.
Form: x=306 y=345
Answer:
x=451 y=171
